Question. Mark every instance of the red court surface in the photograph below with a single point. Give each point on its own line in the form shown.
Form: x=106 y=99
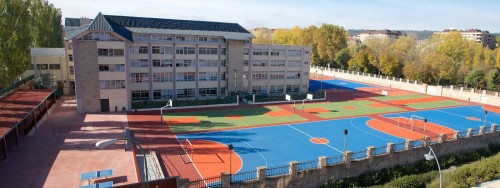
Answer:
x=63 y=147
x=17 y=105
x=405 y=130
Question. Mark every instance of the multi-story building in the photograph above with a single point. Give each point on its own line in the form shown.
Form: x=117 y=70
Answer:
x=483 y=37
x=119 y=60
x=379 y=34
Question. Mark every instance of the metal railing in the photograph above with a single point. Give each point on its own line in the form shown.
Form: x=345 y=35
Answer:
x=380 y=150
x=399 y=147
x=462 y=134
x=359 y=155
x=417 y=144
x=244 y=176
x=277 y=170
x=307 y=165
x=206 y=182
x=15 y=85
x=332 y=160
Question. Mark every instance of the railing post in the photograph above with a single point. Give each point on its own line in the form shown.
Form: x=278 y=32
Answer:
x=426 y=141
x=493 y=127
x=461 y=89
x=496 y=94
x=451 y=87
x=469 y=132
x=481 y=130
x=261 y=173
x=442 y=138
x=294 y=168
x=472 y=90
x=225 y=179
x=321 y=162
x=390 y=148
x=456 y=135
x=369 y=153
x=347 y=158
x=408 y=144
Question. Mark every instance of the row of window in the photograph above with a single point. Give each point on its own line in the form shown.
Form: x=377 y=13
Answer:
x=178 y=50
x=273 y=75
x=178 y=63
x=160 y=37
x=276 y=89
x=109 y=52
x=47 y=67
x=112 y=84
x=99 y=36
x=179 y=77
x=291 y=53
x=165 y=94
x=112 y=67
x=274 y=63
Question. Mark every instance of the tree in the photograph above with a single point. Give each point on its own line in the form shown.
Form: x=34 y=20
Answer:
x=475 y=78
x=46 y=23
x=282 y=36
x=492 y=79
x=329 y=39
x=15 y=39
x=262 y=36
x=497 y=60
x=389 y=64
x=363 y=61
x=341 y=58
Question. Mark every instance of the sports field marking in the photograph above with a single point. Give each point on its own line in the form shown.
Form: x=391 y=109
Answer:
x=456 y=115
x=356 y=127
x=313 y=137
x=434 y=104
x=318 y=140
x=198 y=171
x=394 y=130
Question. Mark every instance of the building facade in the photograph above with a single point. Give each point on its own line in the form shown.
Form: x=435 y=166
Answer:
x=483 y=37
x=379 y=34
x=119 y=60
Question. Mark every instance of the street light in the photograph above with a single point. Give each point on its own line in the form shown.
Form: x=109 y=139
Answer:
x=104 y=143
x=345 y=138
x=230 y=147
x=431 y=155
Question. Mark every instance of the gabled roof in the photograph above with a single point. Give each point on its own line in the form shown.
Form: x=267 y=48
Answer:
x=125 y=26
x=47 y=52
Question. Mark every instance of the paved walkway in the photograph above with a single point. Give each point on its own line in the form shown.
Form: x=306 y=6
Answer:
x=64 y=147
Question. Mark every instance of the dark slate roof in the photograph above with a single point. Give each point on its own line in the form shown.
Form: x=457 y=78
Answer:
x=72 y=22
x=157 y=23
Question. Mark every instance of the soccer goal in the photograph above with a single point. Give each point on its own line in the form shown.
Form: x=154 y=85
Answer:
x=415 y=121
x=168 y=105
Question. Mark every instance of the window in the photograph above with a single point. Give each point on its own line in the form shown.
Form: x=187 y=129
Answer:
x=213 y=76
x=143 y=50
x=292 y=88
x=112 y=68
x=207 y=63
x=223 y=63
x=294 y=64
x=70 y=57
x=54 y=67
x=306 y=62
x=184 y=93
x=184 y=50
x=42 y=67
x=142 y=37
x=140 y=95
x=31 y=67
x=167 y=37
x=222 y=91
x=202 y=76
x=206 y=92
x=111 y=84
x=180 y=38
x=258 y=89
x=109 y=52
x=161 y=50
x=245 y=51
x=163 y=77
x=278 y=52
x=98 y=36
x=223 y=51
x=162 y=63
x=259 y=63
x=245 y=75
x=185 y=77
x=139 y=63
x=214 y=39
x=208 y=51
x=155 y=37
x=70 y=46
x=276 y=89
x=139 y=77
x=277 y=63
x=163 y=94
x=277 y=75
x=259 y=75
x=306 y=52
x=245 y=62
x=294 y=53
x=293 y=75
x=71 y=70
x=185 y=63
x=223 y=76
x=260 y=52
x=203 y=39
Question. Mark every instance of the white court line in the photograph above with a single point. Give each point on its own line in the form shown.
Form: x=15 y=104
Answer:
x=313 y=137
x=194 y=165
x=374 y=134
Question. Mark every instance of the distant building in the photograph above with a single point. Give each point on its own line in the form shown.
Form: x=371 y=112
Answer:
x=482 y=37
x=379 y=34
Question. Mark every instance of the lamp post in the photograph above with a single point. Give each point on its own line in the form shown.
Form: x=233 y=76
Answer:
x=425 y=125
x=431 y=155
x=345 y=138
x=104 y=143
x=485 y=113
x=230 y=147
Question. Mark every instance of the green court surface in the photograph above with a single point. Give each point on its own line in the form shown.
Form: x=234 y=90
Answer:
x=399 y=97
x=350 y=108
x=230 y=118
x=434 y=104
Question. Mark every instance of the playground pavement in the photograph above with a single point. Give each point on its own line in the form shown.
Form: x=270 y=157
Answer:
x=62 y=149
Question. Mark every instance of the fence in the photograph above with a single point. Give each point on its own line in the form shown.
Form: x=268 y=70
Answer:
x=277 y=171
x=462 y=134
x=475 y=132
x=380 y=150
x=417 y=144
x=243 y=176
x=333 y=160
x=15 y=85
x=215 y=181
x=307 y=165
x=359 y=155
x=399 y=147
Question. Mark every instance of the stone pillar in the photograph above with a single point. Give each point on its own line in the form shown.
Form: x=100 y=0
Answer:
x=451 y=87
x=426 y=141
x=496 y=94
x=461 y=89
x=294 y=168
x=472 y=90
x=408 y=144
x=369 y=153
x=321 y=162
x=393 y=78
x=261 y=173
x=407 y=81
x=456 y=136
x=469 y=132
x=481 y=130
x=484 y=92
x=493 y=128
x=225 y=179
x=416 y=82
x=400 y=79
x=390 y=148
x=442 y=138
x=347 y=158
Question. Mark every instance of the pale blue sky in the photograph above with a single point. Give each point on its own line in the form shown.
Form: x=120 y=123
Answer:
x=353 y=14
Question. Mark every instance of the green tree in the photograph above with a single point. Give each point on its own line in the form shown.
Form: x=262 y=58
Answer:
x=262 y=36
x=46 y=24
x=282 y=36
x=15 y=39
x=363 y=61
x=329 y=39
x=497 y=60
x=389 y=64
x=492 y=79
x=341 y=58
x=475 y=78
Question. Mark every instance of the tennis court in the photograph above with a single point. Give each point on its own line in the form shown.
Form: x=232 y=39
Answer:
x=336 y=84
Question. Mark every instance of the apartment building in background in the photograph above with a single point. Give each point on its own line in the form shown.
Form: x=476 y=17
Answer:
x=483 y=37
x=119 y=60
x=379 y=34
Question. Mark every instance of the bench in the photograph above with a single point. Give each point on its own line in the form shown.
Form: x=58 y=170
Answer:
x=99 y=185
x=97 y=174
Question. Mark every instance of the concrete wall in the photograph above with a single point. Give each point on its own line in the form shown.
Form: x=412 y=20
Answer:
x=235 y=62
x=87 y=77
x=399 y=83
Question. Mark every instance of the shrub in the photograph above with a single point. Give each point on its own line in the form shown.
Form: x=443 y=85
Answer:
x=413 y=181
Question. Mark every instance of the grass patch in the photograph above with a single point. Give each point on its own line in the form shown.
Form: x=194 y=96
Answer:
x=355 y=108
x=435 y=104
x=399 y=97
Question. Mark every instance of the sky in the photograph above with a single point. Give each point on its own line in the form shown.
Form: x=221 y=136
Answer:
x=433 y=15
